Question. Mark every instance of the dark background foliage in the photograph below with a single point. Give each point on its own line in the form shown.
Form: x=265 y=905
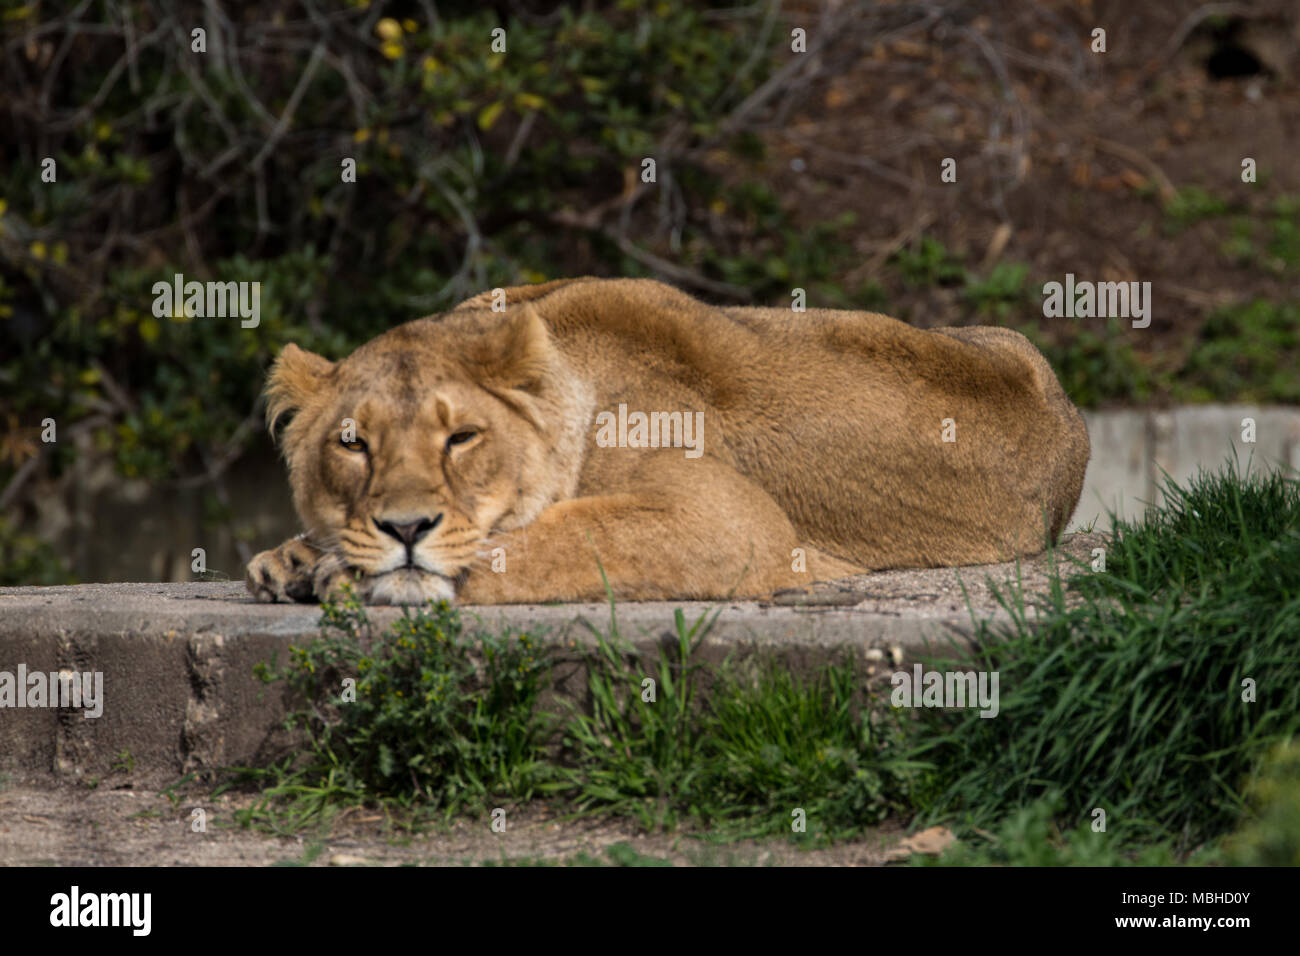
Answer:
x=475 y=169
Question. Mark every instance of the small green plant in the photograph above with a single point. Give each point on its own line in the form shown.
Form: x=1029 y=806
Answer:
x=1032 y=836
x=1247 y=352
x=1191 y=204
x=1240 y=247
x=423 y=716
x=1284 y=233
x=776 y=741
x=624 y=854
x=1095 y=369
x=1000 y=292
x=1268 y=239
x=125 y=762
x=784 y=254
x=631 y=756
x=170 y=791
x=928 y=263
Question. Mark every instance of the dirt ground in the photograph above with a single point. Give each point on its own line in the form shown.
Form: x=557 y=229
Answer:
x=1063 y=155
x=71 y=826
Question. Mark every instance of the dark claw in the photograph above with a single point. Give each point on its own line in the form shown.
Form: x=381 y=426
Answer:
x=301 y=591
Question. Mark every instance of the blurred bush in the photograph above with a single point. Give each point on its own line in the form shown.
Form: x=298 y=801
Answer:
x=1272 y=835
x=474 y=169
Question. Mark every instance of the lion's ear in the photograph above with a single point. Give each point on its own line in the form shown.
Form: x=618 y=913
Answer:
x=294 y=378
x=515 y=354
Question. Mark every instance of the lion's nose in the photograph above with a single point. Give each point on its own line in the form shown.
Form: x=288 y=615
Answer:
x=408 y=532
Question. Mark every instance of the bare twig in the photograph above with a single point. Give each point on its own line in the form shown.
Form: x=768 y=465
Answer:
x=286 y=117
x=1164 y=185
x=678 y=272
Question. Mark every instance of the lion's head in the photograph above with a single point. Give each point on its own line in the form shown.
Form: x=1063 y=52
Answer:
x=408 y=455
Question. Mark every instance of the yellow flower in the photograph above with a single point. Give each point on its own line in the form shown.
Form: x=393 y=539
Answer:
x=388 y=29
x=489 y=115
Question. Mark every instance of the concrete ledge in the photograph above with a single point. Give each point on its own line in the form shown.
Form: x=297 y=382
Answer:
x=1133 y=449
x=177 y=659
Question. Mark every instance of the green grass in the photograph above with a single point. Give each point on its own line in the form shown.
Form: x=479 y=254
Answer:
x=764 y=745
x=619 y=854
x=631 y=755
x=1132 y=699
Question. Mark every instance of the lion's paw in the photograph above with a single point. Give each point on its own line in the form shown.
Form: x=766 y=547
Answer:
x=329 y=577
x=284 y=573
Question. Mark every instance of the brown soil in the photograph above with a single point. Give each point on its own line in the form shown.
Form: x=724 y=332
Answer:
x=1063 y=155
x=75 y=826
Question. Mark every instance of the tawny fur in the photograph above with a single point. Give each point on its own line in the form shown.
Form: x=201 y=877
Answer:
x=823 y=450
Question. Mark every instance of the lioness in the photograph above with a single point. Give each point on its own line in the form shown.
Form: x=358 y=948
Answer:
x=685 y=450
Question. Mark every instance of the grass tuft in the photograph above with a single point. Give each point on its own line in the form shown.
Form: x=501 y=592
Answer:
x=1151 y=690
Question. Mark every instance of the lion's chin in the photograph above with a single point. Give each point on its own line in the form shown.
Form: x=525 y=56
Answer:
x=407 y=586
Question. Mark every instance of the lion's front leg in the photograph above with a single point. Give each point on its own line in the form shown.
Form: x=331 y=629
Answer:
x=683 y=529
x=287 y=573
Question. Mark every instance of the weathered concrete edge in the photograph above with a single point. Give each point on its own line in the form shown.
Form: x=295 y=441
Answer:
x=181 y=696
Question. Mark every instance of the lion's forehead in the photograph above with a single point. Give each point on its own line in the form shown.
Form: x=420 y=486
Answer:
x=379 y=399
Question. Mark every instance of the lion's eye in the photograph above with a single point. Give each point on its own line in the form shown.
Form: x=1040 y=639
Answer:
x=354 y=445
x=462 y=436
